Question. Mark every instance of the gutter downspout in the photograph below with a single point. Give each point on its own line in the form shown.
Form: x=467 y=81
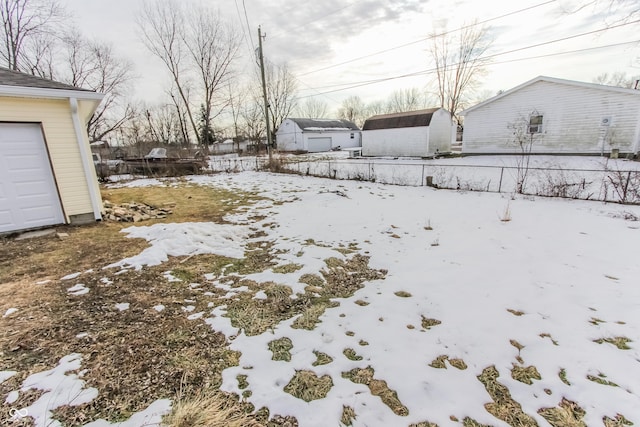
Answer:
x=77 y=125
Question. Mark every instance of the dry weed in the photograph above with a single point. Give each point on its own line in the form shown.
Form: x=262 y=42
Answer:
x=378 y=388
x=210 y=410
x=503 y=406
x=307 y=386
x=281 y=349
x=566 y=414
x=348 y=415
x=322 y=358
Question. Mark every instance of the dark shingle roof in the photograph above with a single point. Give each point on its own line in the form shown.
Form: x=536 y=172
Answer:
x=15 y=78
x=325 y=124
x=408 y=119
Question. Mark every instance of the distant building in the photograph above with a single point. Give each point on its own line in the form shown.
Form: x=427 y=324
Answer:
x=555 y=116
x=421 y=133
x=317 y=135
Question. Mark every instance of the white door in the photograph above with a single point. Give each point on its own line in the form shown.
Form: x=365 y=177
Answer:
x=317 y=145
x=28 y=193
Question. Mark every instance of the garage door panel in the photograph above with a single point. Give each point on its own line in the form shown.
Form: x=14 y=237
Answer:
x=28 y=194
x=316 y=145
x=27 y=191
x=6 y=219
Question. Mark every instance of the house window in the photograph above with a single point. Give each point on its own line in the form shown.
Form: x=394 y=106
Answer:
x=535 y=124
x=352 y=135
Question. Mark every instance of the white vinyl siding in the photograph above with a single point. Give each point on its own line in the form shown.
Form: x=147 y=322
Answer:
x=572 y=120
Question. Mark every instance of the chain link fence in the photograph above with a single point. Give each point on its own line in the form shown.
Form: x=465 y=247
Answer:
x=610 y=185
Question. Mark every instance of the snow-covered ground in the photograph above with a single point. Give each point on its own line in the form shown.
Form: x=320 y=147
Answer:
x=542 y=290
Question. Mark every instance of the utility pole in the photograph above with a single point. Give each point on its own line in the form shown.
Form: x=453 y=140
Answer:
x=264 y=94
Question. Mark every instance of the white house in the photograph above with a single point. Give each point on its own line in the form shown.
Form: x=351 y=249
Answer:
x=317 y=135
x=419 y=133
x=555 y=116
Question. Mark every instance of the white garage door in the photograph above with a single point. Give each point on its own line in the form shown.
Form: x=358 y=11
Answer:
x=317 y=145
x=28 y=194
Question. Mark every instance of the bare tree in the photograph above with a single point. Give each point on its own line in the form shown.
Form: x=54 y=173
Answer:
x=353 y=109
x=406 y=100
x=198 y=50
x=375 y=108
x=618 y=78
x=614 y=11
x=94 y=65
x=213 y=47
x=254 y=124
x=26 y=24
x=459 y=63
x=281 y=94
x=237 y=98
x=313 y=109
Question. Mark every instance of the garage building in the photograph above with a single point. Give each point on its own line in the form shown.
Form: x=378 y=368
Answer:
x=46 y=171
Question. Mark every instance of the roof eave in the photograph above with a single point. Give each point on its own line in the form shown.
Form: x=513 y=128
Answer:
x=551 y=80
x=38 y=92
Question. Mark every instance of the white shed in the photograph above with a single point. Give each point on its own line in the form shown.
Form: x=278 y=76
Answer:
x=317 y=135
x=419 y=133
x=555 y=116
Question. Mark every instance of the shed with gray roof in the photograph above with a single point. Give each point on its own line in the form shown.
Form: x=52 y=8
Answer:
x=420 y=133
x=317 y=135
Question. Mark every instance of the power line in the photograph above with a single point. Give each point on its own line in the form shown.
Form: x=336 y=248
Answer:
x=430 y=37
x=357 y=84
x=433 y=70
x=246 y=18
x=244 y=31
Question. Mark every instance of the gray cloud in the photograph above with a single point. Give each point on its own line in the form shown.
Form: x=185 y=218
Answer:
x=314 y=31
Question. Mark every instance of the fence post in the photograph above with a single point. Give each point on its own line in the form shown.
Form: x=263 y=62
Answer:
x=422 y=179
x=626 y=187
x=500 y=184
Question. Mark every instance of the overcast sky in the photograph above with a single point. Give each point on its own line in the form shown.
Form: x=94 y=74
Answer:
x=314 y=37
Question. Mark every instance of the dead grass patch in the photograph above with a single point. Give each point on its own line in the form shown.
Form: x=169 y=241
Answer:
x=525 y=374
x=210 y=410
x=600 y=379
x=378 y=388
x=618 y=421
x=545 y=335
x=403 y=294
x=515 y=312
x=281 y=349
x=439 y=363
x=428 y=323
x=306 y=385
x=566 y=414
x=312 y=280
x=470 y=422
x=348 y=415
x=361 y=303
x=322 y=358
x=287 y=268
x=424 y=424
x=620 y=342
x=563 y=376
x=311 y=316
x=351 y=354
x=242 y=381
x=503 y=407
x=458 y=363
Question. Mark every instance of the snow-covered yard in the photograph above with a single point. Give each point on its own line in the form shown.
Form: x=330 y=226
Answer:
x=479 y=308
